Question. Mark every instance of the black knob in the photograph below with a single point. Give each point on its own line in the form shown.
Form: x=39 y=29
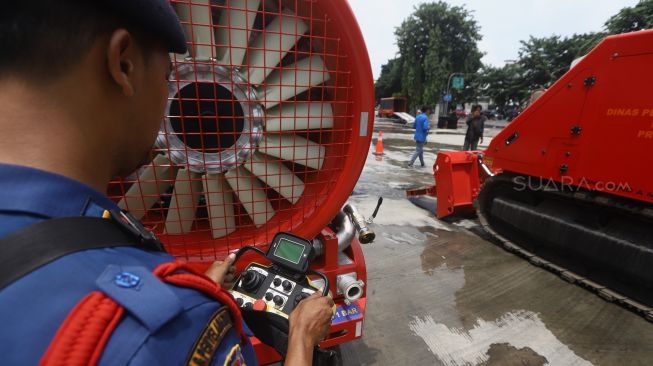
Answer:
x=268 y=296
x=248 y=306
x=277 y=282
x=239 y=301
x=300 y=297
x=278 y=300
x=252 y=281
x=287 y=285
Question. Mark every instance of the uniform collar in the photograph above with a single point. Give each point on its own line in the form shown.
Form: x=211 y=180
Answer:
x=37 y=192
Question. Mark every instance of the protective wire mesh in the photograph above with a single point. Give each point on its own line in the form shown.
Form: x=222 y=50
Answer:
x=256 y=132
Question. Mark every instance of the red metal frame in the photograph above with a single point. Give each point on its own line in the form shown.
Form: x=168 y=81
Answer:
x=458 y=182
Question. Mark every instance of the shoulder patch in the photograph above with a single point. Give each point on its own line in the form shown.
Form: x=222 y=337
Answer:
x=141 y=293
x=209 y=340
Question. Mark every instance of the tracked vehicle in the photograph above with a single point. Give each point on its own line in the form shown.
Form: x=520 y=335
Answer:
x=568 y=185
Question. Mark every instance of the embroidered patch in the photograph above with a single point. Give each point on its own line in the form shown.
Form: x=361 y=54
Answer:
x=235 y=357
x=209 y=341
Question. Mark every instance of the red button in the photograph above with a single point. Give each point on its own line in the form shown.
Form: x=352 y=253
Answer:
x=260 y=305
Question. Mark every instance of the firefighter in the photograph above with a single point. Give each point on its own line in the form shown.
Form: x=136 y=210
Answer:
x=83 y=85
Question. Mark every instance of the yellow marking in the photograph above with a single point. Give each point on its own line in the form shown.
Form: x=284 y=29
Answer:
x=629 y=112
x=230 y=361
x=208 y=342
x=106 y=214
x=643 y=134
x=623 y=112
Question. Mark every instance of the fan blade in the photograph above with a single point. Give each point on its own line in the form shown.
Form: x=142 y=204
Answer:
x=268 y=49
x=219 y=202
x=234 y=27
x=251 y=193
x=293 y=80
x=294 y=148
x=152 y=183
x=299 y=116
x=277 y=176
x=198 y=27
x=183 y=202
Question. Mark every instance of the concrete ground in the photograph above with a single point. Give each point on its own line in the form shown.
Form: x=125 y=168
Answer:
x=439 y=293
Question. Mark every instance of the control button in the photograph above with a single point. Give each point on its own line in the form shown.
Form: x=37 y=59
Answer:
x=248 y=306
x=277 y=282
x=251 y=281
x=278 y=300
x=260 y=305
x=287 y=286
x=268 y=296
x=239 y=301
x=300 y=297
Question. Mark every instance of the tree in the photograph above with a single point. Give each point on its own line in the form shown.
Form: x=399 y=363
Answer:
x=504 y=85
x=435 y=41
x=389 y=82
x=542 y=61
x=545 y=60
x=632 y=19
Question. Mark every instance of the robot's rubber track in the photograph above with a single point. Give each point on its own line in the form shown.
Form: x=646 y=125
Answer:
x=538 y=207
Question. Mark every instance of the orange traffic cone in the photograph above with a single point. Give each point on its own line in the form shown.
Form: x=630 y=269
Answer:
x=379 y=144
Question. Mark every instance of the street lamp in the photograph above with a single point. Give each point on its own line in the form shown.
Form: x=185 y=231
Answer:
x=446 y=105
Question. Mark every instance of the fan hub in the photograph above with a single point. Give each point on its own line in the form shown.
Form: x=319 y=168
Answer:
x=214 y=121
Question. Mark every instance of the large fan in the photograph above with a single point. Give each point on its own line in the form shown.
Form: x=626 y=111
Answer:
x=259 y=125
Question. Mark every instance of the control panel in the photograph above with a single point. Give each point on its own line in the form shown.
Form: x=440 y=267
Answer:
x=280 y=287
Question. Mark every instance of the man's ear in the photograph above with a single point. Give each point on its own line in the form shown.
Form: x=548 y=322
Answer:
x=121 y=53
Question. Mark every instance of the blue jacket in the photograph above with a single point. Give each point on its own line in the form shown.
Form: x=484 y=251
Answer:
x=421 y=127
x=161 y=322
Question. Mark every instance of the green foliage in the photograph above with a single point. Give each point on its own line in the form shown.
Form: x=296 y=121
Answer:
x=389 y=83
x=541 y=62
x=435 y=41
x=439 y=39
x=504 y=85
x=632 y=19
x=545 y=60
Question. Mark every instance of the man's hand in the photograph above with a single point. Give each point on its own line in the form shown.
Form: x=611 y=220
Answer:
x=223 y=272
x=309 y=324
x=311 y=319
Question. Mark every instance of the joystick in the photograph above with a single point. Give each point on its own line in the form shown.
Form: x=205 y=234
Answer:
x=251 y=280
x=300 y=297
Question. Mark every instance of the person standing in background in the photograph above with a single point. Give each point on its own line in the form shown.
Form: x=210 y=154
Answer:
x=422 y=127
x=475 y=129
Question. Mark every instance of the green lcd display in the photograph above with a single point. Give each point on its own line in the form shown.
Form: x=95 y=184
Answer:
x=289 y=250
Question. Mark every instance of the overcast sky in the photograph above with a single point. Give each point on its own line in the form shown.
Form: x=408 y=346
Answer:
x=503 y=23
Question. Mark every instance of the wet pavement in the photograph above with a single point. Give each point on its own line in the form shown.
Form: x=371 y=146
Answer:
x=439 y=293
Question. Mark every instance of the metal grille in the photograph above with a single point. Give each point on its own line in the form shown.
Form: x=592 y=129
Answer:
x=257 y=130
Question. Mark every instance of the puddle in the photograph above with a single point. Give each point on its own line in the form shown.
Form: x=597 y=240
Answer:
x=520 y=329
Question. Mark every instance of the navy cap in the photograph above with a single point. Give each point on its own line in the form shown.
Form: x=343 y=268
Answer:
x=156 y=16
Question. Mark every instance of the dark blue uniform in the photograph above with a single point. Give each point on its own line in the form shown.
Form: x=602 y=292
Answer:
x=161 y=324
